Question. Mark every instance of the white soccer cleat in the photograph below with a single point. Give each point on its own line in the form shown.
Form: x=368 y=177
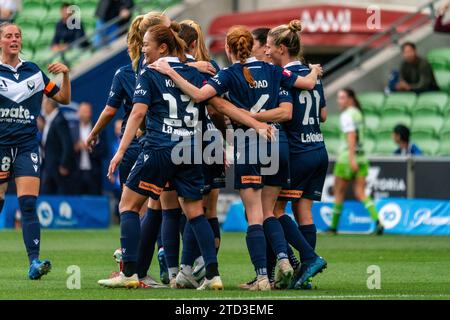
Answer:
x=262 y=283
x=284 y=274
x=199 y=269
x=185 y=280
x=121 y=281
x=149 y=283
x=213 y=284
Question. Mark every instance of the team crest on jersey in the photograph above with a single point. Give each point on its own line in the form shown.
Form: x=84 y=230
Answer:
x=31 y=85
x=3 y=86
x=34 y=157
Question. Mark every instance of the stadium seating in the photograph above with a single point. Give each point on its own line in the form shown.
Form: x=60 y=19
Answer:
x=443 y=79
x=38 y=19
x=439 y=58
x=371 y=102
x=399 y=103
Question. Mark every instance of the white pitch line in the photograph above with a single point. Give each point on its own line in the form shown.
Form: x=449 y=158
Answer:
x=308 y=297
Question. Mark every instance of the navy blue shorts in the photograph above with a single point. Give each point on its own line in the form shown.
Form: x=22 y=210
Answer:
x=128 y=161
x=23 y=161
x=250 y=174
x=308 y=173
x=154 y=168
x=214 y=175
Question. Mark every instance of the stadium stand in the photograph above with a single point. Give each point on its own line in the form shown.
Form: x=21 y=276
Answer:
x=427 y=114
x=38 y=19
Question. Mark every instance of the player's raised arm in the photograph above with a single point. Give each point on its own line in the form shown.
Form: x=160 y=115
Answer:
x=63 y=96
x=197 y=94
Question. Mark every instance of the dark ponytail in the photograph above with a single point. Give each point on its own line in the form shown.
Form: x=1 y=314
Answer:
x=351 y=94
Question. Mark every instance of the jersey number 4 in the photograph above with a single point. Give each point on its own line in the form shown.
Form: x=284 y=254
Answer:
x=306 y=98
x=174 y=120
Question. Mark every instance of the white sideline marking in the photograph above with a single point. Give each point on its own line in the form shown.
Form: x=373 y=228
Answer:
x=312 y=297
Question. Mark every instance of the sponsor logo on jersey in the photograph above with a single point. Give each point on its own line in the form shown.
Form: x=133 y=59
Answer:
x=287 y=72
x=16 y=113
x=139 y=91
x=259 y=84
x=251 y=179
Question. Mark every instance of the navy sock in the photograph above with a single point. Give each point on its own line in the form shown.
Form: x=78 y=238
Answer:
x=2 y=202
x=275 y=237
x=183 y=220
x=256 y=244
x=130 y=230
x=159 y=238
x=271 y=262
x=292 y=257
x=205 y=239
x=296 y=238
x=31 y=228
x=171 y=236
x=214 y=222
x=190 y=249
x=150 y=226
x=309 y=231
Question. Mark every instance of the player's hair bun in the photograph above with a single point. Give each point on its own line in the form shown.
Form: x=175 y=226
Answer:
x=295 y=26
x=175 y=26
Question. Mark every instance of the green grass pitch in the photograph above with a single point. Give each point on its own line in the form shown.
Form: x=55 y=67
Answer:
x=411 y=268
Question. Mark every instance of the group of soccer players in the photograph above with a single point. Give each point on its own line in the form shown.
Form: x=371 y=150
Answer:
x=172 y=93
x=177 y=95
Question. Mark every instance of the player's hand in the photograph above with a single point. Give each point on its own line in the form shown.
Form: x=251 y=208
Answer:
x=317 y=68
x=139 y=133
x=203 y=67
x=91 y=141
x=354 y=165
x=162 y=66
x=57 y=67
x=266 y=131
x=115 y=161
x=443 y=9
x=63 y=171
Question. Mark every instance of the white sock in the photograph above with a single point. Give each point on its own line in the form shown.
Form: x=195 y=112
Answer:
x=186 y=269
x=199 y=261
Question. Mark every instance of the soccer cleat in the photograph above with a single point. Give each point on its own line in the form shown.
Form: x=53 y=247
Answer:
x=149 y=283
x=379 y=229
x=173 y=283
x=38 y=269
x=247 y=285
x=213 y=284
x=309 y=270
x=163 y=271
x=262 y=283
x=185 y=280
x=284 y=273
x=121 y=281
x=199 y=269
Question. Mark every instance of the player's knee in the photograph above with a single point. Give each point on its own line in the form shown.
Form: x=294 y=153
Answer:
x=27 y=205
x=126 y=206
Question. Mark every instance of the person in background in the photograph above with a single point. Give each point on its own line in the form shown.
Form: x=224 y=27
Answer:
x=106 y=11
x=89 y=169
x=64 y=34
x=259 y=44
x=439 y=26
x=401 y=136
x=352 y=165
x=58 y=163
x=416 y=73
x=9 y=9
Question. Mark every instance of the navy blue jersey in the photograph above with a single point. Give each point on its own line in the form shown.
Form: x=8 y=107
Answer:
x=172 y=115
x=264 y=96
x=304 y=129
x=21 y=92
x=122 y=90
x=141 y=65
x=207 y=123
